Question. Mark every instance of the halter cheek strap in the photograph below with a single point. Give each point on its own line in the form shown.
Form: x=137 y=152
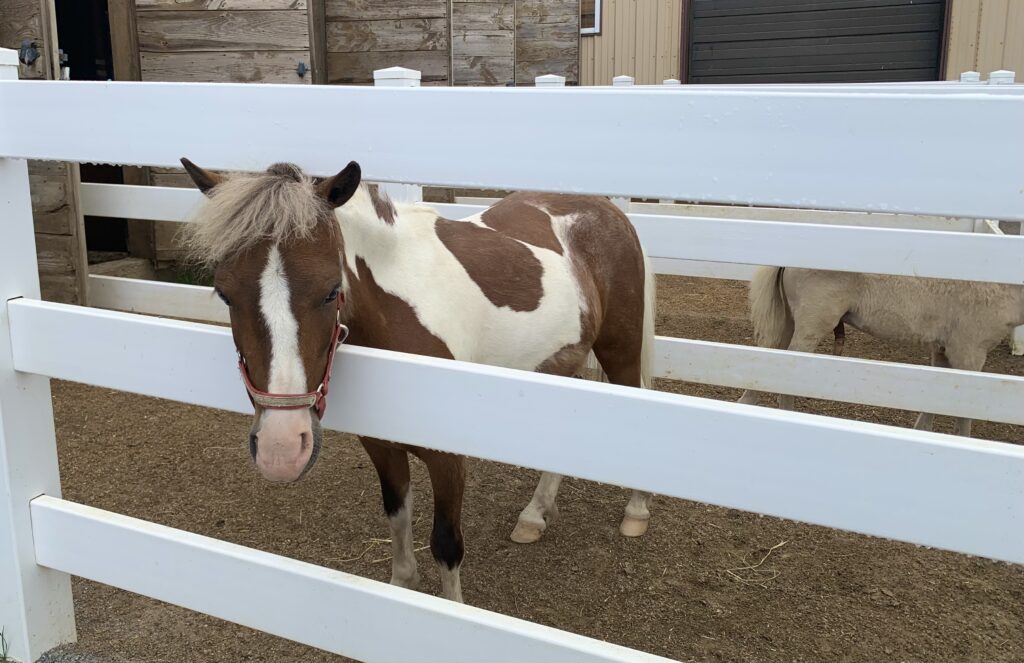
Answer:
x=314 y=399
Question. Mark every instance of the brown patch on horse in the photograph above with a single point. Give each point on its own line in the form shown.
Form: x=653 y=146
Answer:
x=505 y=270
x=608 y=260
x=516 y=218
x=378 y=319
x=382 y=205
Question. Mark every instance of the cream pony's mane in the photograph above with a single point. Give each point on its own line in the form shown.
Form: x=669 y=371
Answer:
x=247 y=208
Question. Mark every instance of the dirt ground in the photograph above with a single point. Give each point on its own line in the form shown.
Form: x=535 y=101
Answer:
x=680 y=591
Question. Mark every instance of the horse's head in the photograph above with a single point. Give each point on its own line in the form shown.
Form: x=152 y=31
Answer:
x=275 y=248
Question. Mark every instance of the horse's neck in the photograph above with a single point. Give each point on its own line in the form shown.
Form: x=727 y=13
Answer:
x=383 y=241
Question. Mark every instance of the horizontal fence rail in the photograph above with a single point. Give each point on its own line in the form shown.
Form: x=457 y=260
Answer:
x=842 y=248
x=985 y=396
x=334 y=611
x=896 y=150
x=959 y=494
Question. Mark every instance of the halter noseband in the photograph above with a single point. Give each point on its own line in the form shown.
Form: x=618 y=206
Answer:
x=315 y=399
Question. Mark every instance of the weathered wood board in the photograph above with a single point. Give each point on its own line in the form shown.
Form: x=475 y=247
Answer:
x=218 y=30
x=225 y=67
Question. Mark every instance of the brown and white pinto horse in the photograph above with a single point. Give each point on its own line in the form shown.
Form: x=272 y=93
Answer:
x=535 y=282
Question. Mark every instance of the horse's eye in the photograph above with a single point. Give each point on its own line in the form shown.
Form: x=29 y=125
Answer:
x=223 y=297
x=334 y=295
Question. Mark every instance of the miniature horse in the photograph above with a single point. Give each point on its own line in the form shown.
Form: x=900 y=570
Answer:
x=535 y=283
x=960 y=321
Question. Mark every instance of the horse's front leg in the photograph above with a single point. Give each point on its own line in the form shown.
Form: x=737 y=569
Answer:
x=392 y=464
x=448 y=479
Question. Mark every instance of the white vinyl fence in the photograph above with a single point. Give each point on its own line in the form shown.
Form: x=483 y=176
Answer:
x=856 y=148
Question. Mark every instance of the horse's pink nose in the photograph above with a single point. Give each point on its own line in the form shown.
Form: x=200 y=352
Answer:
x=284 y=445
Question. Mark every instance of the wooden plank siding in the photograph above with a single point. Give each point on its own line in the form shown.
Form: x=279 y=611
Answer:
x=547 y=40
x=762 y=41
x=483 y=42
x=985 y=35
x=221 y=41
x=363 y=36
x=59 y=227
x=639 y=38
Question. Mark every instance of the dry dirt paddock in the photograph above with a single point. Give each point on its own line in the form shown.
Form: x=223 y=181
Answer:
x=682 y=591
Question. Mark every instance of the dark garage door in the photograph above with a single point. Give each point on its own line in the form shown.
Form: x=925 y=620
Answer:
x=815 y=41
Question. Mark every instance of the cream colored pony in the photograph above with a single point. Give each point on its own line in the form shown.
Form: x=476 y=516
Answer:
x=960 y=321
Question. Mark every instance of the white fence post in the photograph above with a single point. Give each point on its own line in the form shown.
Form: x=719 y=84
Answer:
x=1001 y=77
x=35 y=603
x=399 y=77
x=671 y=81
x=549 y=80
x=970 y=77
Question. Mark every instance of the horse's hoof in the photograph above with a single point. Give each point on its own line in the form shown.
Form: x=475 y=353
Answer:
x=412 y=583
x=526 y=533
x=633 y=526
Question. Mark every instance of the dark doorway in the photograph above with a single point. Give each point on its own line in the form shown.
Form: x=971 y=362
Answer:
x=83 y=33
x=815 y=41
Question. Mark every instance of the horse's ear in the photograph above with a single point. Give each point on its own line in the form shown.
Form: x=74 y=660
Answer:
x=203 y=179
x=338 y=189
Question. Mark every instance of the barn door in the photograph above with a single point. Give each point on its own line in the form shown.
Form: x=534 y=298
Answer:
x=60 y=236
x=815 y=41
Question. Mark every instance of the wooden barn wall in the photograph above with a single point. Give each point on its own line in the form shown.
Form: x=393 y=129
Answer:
x=639 y=38
x=483 y=43
x=547 y=40
x=59 y=228
x=214 y=41
x=366 y=35
x=985 y=35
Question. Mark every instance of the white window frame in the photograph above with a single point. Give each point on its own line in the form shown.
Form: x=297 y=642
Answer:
x=596 y=30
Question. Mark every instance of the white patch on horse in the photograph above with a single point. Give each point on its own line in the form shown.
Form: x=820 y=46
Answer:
x=403 y=557
x=433 y=281
x=287 y=373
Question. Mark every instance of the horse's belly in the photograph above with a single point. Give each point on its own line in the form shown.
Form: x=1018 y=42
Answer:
x=526 y=340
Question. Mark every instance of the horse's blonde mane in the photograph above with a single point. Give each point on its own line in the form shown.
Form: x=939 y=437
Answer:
x=245 y=209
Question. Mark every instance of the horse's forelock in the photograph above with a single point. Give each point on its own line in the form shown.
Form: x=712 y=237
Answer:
x=245 y=209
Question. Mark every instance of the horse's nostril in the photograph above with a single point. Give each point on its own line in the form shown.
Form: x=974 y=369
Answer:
x=307 y=439
x=252 y=445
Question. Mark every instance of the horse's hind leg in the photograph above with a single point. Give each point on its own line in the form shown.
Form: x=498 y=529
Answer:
x=966 y=359
x=541 y=510
x=808 y=330
x=392 y=464
x=622 y=366
x=926 y=420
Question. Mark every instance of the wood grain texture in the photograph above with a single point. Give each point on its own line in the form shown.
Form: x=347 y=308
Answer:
x=20 y=20
x=478 y=70
x=225 y=67
x=495 y=43
x=61 y=288
x=124 y=40
x=170 y=31
x=354 y=68
x=170 y=5
x=547 y=40
x=417 y=34
x=367 y=10
x=317 y=16
x=483 y=15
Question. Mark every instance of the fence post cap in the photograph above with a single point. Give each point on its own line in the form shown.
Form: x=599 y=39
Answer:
x=1001 y=77
x=8 y=57
x=549 y=80
x=396 y=76
x=970 y=77
x=623 y=80
x=671 y=81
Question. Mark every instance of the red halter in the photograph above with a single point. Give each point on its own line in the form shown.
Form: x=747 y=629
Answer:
x=315 y=399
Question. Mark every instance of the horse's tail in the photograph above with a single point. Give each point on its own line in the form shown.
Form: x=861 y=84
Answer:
x=769 y=310
x=650 y=303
